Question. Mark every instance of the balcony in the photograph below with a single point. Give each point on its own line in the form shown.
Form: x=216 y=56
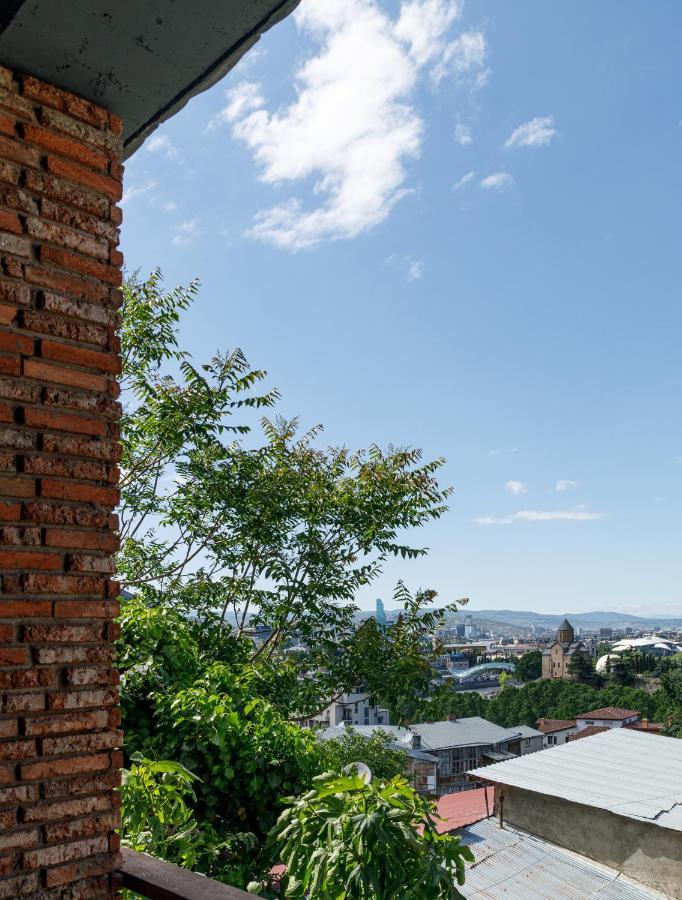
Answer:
x=159 y=880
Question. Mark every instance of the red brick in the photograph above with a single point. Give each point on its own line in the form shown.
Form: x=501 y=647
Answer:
x=80 y=743
x=19 y=535
x=12 y=656
x=17 y=749
x=10 y=365
x=64 y=852
x=94 y=359
x=7 y=633
x=79 y=562
x=115 y=123
x=64 y=101
x=65 y=490
x=8 y=314
x=11 y=512
x=64 y=468
x=89 y=784
x=82 y=699
x=62 y=584
x=66 y=722
x=42 y=230
x=21 y=794
x=27 y=559
x=84 y=676
x=69 y=284
x=17 y=198
x=49 y=812
x=16 y=244
x=27 y=678
x=17 y=439
x=17 y=152
x=9 y=728
x=45 y=323
x=82 y=609
x=58 y=143
x=18 y=839
x=81 y=446
x=15 y=343
x=43 y=418
x=58 y=634
x=102 y=139
x=10 y=222
x=74 y=654
x=67 y=193
x=8 y=125
x=77 y=218
x=23 y=886
x=34 y=368
x=79 y=309
x=51 y=514
x=6 y=415
x=111 y=187
x=12 y=609
x=98 y=404
x=65 y=259
x=99 y=890
x=22 y=703
x=56 y=767
x=8 y=173
x=20 y=487
x=19 y=390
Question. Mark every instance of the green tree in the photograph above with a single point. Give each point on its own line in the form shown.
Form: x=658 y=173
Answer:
x=581 y=667
x=348 y=839
x=529 y=666
x=378 y=751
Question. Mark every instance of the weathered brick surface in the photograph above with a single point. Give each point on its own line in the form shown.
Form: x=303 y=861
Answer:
x=60 y=271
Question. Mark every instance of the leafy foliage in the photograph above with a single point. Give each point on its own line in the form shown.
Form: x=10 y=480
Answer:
x=529 y=666
x=581 y=667
x=348 y=839
x=384 y=759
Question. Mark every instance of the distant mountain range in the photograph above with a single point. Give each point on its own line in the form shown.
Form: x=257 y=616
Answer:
x=588 y=620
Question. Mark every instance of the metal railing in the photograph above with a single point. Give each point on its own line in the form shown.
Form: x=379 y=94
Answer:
x=157 y=879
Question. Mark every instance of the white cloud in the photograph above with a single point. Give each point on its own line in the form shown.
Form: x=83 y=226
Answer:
x=528 y=515
x=497 y=181
x=463 y=135
x=565 y=484
x=134 y=191
x=186 y=231
x=537 y=132
x=415 y=269
x=465 y=179
x=503 y=451
x=169 y=206
x=353 y=124
x=517 y=488
x=160 y=143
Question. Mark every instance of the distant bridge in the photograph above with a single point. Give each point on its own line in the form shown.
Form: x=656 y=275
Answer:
x=483 y=672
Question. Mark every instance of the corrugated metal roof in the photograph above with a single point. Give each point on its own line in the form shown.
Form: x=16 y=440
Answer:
x=469 y=732
x=630 y=773
x=513 y=865
x=526 y=731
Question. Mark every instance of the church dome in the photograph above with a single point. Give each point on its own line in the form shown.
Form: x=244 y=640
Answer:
x=565 y=633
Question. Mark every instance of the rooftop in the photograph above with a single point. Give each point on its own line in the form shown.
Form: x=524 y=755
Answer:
x=468 y=732
x=513 y=864
x=547 y=726
x=612 y=713
x=588 y=731
x=464 y=808
x=620 y=770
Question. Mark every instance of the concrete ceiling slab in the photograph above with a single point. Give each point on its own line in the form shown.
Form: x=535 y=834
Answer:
x=141 y=59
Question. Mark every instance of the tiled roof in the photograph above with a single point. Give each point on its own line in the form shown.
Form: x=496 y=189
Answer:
x=587 y=731
x=464 y=808
x=547 y=726
x=614 y=713
x=652 y=727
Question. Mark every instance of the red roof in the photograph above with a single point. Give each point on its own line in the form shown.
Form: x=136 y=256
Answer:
x=653 y=727
x=547 y=726
x=464 y=808
x=587 y=731
x=613 y=713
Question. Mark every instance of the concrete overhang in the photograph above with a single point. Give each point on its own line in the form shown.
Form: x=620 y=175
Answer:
x=141 y=59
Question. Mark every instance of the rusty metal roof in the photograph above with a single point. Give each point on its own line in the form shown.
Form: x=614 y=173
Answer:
x=513 y=865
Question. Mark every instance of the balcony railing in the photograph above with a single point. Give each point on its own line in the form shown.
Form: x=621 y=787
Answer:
x=157 y=879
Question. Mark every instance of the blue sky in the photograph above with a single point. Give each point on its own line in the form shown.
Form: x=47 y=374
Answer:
x=456 y=227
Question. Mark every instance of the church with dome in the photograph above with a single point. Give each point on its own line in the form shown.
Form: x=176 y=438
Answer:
x=557 y=657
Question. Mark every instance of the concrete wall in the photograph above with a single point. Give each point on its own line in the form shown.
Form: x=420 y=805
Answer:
x=644 y=851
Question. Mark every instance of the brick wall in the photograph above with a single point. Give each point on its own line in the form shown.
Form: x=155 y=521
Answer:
x=60 y=179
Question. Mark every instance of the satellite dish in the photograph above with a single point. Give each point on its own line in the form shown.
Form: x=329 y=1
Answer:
x=359 y=769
